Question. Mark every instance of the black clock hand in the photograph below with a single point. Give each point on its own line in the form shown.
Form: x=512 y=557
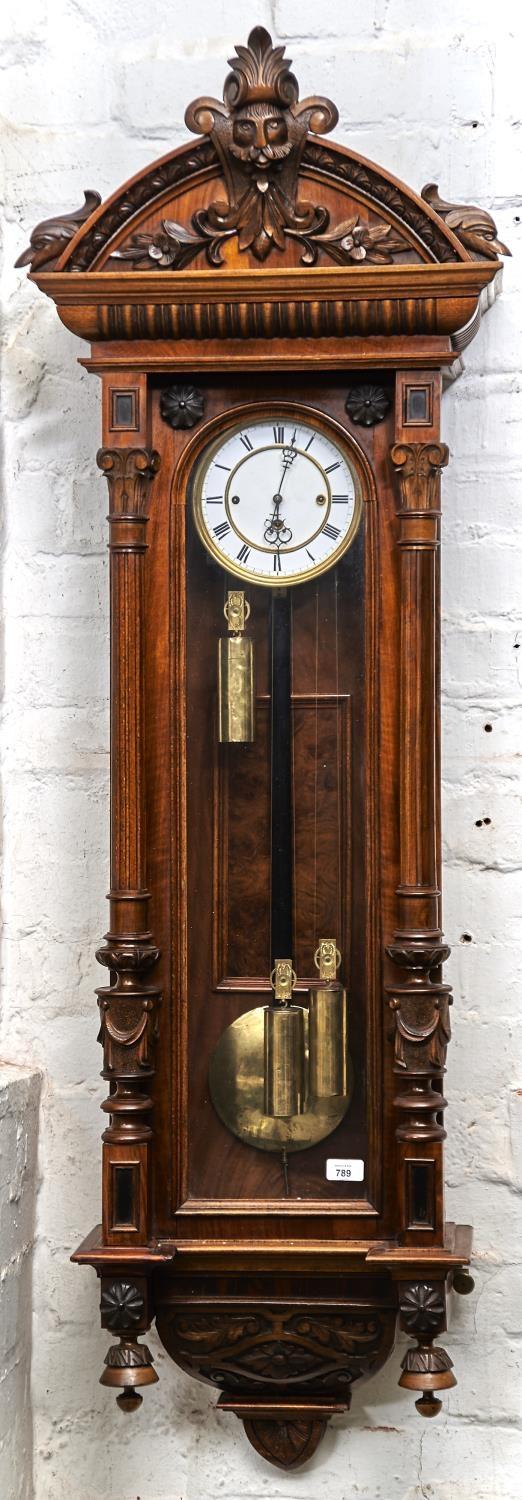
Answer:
x=276 y=530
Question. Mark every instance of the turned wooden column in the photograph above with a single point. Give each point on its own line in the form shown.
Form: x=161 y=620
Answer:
x=128 y=1005
x=419 y=999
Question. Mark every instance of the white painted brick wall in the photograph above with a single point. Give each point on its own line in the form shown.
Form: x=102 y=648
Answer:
x=91 y=91
x=19 y=1098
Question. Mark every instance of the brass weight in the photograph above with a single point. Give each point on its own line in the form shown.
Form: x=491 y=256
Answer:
x=236 y=675
x=328 y=1033
x=284 y=1047
x=284 y=1061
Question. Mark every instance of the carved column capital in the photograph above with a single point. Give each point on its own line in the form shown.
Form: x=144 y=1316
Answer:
x=418 y=467
x=127 y=471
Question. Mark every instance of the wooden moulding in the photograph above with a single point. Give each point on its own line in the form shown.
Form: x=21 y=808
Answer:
x=455 y=1251
x=260 y=305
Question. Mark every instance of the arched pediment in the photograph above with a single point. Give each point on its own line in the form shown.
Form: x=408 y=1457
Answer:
x=261 y=188
x=262 y=194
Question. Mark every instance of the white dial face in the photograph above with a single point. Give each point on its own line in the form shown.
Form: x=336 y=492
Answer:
x=276 y=500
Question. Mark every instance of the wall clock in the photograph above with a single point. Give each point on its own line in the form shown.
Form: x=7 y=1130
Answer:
x=272 y=320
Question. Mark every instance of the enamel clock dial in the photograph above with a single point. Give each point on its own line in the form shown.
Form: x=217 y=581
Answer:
x=276 y=501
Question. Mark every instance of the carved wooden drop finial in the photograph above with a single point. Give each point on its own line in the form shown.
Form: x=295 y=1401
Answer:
x=427 y=1368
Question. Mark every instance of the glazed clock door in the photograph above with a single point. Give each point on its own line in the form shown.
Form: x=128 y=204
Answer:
x=274 y=512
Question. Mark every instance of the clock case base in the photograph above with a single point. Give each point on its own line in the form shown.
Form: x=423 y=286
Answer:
x=285 y=1343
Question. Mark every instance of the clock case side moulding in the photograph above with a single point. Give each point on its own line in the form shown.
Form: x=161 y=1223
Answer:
x=375 y=284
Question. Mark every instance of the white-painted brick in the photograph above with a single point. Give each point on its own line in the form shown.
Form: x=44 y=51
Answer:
x=19 y=1091
x=91 y=92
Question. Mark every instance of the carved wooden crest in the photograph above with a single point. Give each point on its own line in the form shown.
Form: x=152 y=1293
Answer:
x=280 y=194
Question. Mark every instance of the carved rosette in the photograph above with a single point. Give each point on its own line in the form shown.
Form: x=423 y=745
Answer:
x=422 y=1307
x=122 y=1305
x=367 y=405
x=182 y=406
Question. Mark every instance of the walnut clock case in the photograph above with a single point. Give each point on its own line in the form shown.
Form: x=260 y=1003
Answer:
x=272 y=319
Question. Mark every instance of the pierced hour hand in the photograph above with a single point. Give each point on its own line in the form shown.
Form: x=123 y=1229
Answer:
x=276 y=533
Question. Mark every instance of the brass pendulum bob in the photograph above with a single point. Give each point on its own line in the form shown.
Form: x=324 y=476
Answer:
x=328 y=1021
x=284 y=1047
x=236 y=674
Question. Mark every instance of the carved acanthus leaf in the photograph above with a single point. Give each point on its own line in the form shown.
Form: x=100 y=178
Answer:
x=474 y=227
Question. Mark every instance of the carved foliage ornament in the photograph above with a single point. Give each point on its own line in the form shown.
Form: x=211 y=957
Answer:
x=255 y=1350
x=259 y=134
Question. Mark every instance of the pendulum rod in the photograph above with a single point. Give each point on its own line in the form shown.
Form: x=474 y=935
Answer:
x=281 y=900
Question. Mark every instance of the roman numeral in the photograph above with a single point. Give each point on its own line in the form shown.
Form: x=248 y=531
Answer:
x=312 y=440
x=246 y=442
x=244 y=553
x=226 y=467
x=310 y=555
x=279 y=434
x=331 y=467
x=277 y=563
x=338 y=499
x=221 y=530
x=214 y=500
x=331 y=531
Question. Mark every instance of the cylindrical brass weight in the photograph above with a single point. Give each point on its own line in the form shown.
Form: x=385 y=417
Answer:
x=284 y=1061
x=328 y=1042
x=236 y=689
